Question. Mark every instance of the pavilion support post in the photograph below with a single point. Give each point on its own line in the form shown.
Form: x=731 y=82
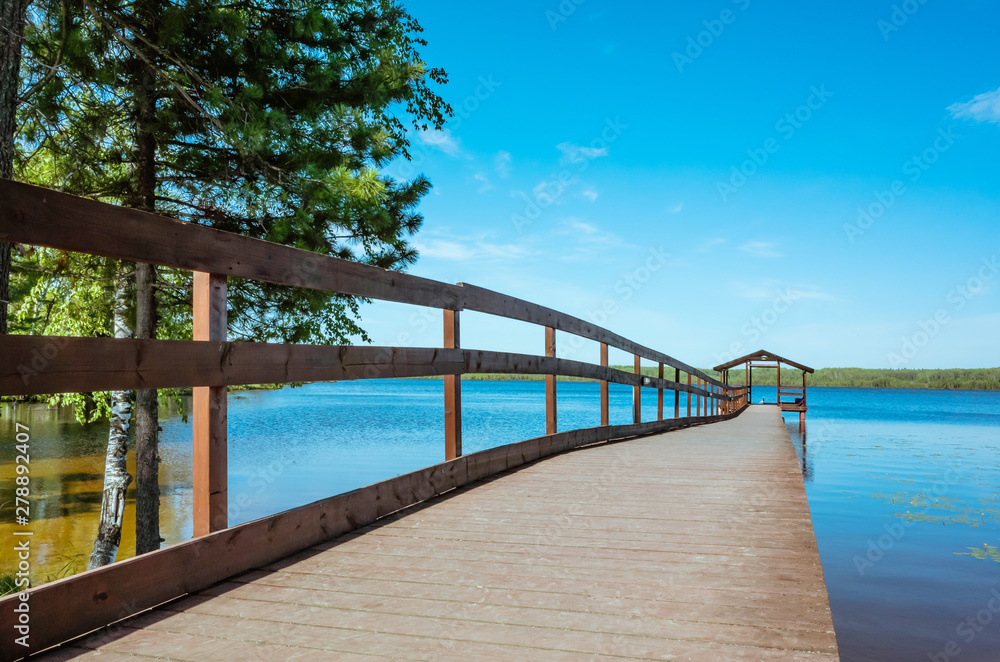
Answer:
x=550 y=383
x=209 y=413
x=677 y=394
x=452 y=391
x=659 y=398
x=605 y=413
x=637 y=394
x=779 y=384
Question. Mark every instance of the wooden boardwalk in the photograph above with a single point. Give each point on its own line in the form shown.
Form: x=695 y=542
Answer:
x=692 y=545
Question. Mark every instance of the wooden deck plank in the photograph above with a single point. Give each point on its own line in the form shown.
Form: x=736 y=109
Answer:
x=692 y=545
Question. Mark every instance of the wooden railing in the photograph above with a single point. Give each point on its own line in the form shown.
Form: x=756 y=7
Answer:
x=208 y=363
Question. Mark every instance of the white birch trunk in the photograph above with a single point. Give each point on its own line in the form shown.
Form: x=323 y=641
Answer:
x=116 y=477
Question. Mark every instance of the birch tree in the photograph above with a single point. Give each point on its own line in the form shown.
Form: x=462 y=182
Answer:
x=265 y=119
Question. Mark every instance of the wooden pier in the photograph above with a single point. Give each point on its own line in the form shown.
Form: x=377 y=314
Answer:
x=611 y=542
x=692 y=545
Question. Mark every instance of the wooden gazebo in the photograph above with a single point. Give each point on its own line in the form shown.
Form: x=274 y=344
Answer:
x=765 y=359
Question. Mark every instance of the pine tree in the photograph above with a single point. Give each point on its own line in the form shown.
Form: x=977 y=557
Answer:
x=262 y=119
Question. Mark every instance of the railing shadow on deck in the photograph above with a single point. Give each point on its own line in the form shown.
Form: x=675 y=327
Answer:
x=73 y=606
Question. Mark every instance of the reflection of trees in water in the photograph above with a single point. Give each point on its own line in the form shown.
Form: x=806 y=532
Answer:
x=67 y=473
x=800 y=443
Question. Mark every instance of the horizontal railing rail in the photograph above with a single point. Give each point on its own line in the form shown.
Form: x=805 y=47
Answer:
x=209 y=363
x=40 y=217
x=76 y=365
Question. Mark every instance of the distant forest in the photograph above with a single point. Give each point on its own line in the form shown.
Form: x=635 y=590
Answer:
x=982 y=379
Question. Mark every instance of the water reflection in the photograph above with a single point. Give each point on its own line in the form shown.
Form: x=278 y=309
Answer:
x=798 y=434
x=67 y=479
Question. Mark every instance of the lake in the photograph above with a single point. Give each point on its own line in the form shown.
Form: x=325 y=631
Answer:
x=904 y=486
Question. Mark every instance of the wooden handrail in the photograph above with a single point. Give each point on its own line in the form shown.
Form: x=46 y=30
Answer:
x=41 y=217
x=80 y=365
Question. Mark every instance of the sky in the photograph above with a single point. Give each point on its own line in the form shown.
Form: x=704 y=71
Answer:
x=819 y=179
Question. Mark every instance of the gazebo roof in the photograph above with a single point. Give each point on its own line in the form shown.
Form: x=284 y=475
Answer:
x=761 y=355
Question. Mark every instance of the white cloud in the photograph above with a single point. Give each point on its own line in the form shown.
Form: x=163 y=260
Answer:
x=576 y=154
x=760 y=249
x=589 y=233
x=550 y=191
x=442 y=140
x=486 y=185
x=982 y=108
x=502 y=163
x=465 y=249
x=676 y=208
x=590 y=194
x=768 y=290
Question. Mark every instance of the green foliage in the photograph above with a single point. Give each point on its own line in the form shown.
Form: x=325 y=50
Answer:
x=269 y=120
x=985 y=379
x=981 y=379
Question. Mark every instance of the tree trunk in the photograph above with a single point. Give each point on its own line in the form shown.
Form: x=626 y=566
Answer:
x=116 y=477
x=12 y=17
x=147 y=461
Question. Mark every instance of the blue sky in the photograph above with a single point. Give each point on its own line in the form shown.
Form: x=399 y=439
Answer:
x=699 y=170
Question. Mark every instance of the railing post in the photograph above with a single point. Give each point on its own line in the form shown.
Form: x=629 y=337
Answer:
x=452 y=390
x=697 y=409
x=677 y=394
x=209 y=413
x=605 y=408
x=637 y=394
x=689 y=396
x=550 y=383
x=659 y=398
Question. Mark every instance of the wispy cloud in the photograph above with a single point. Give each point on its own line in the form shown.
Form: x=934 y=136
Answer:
x=589 y=233
x=591 y=195
x=982 y=108
x=442 y=140
x=577 y=154
x=676 y=209
x=485 y=184
x=768 y=290
x=465 y=249
x=760 y=249
x=501 y=163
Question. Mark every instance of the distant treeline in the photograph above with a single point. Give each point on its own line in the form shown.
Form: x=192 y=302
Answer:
x=981 y=379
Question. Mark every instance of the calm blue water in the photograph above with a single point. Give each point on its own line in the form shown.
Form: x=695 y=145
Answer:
x=904 y=489
x=904 y=486
x=294 y=446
